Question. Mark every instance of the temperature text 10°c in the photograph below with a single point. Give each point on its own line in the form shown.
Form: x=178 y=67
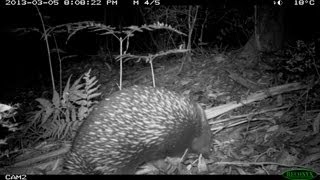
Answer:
x=304 y=2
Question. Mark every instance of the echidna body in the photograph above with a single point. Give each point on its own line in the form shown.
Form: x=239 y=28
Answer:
x=136 y=125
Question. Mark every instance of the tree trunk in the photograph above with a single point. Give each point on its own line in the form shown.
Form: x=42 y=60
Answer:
x=269 y=31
